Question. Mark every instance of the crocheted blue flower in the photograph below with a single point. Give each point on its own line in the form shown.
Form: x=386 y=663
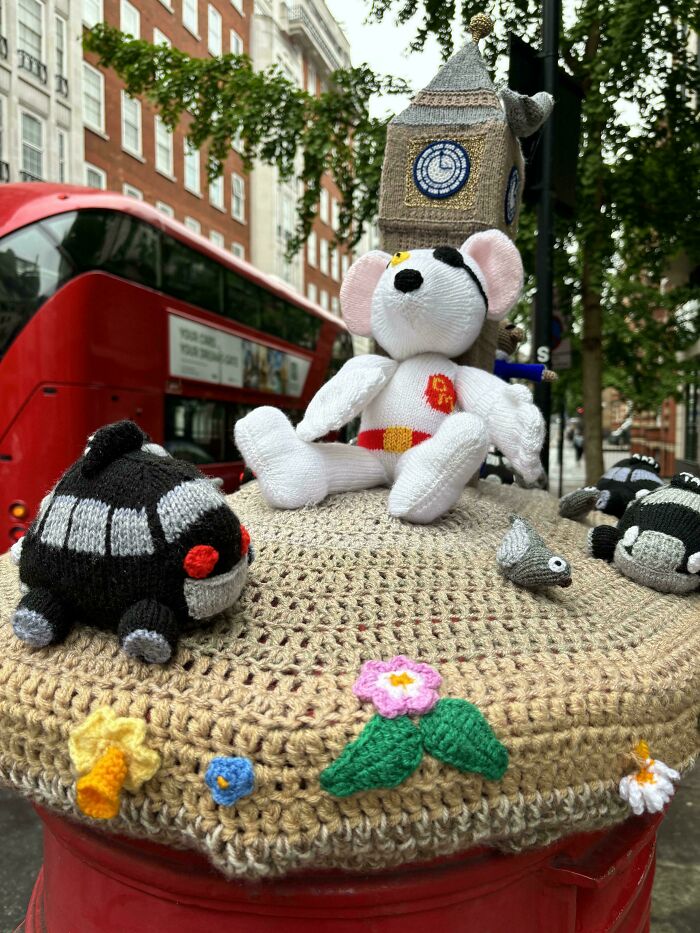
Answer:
x=229 y=779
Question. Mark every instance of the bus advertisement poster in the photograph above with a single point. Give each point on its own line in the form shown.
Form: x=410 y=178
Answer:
x=208 y=354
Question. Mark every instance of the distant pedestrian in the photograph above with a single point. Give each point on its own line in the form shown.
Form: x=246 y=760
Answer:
x=578 y=443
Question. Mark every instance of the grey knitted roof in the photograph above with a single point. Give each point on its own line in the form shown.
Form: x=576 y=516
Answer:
x=464 y=72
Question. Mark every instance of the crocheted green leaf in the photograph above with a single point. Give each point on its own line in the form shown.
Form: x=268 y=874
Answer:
x=458 y=734
x=386 y=752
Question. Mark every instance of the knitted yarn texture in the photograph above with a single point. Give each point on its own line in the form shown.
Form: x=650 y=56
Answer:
x=569 y=679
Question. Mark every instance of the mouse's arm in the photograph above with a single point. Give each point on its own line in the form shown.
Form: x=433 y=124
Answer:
x=514 y=424
x=346 y=395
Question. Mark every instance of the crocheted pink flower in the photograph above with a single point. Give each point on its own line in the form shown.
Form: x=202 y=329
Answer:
x=398 y=686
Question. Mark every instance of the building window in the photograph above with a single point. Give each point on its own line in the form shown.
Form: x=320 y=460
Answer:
x=62 y=145
x=312 y=292
x=95 y=177
x=164 y=148
x=132 y=192
x=3 y=123
x=214 y=41
x=216 y=193
x=335 y=305
x=190 y=15
x=193 y=225
x=32 y=148
x=92 y=13
x=61 y=61
x=131 y=124
x=335 y=214
x=344 y=263
x=130 y=20
x=324 y=299
x=311 y=79
x=30 y=27
x=159 y=38
x=312 y=249
x=324 y=206
x=323 y=261
x=238 y=250
x=236 y=43
x=165 y=209
x=238 y=197
x=191 y=168
x=335 y=264
x=238 y=5
x=93 y=98
x=217 y=238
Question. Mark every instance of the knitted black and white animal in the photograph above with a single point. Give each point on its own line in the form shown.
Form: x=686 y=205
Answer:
x=628 y=479
x=131 y=539
x=657 y=540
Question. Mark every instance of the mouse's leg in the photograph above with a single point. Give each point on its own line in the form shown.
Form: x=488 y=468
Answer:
x=41 y=619
x=431 y=476
x=293 y=473
x=149 y=630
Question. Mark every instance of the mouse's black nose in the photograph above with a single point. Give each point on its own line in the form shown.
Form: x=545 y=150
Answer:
x=408 y=280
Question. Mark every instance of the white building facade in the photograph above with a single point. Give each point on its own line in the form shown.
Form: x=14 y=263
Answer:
x=307 y=44
x=41 y=124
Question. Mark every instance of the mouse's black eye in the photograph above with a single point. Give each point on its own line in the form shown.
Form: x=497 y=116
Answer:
x=450 y=256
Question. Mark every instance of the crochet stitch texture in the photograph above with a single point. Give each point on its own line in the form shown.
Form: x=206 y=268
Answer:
x=569 y=680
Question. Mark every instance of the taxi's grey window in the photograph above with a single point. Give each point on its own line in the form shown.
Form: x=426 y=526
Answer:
x=183 y=505
x=130 y=535
x=57 y=520
x=88 y=527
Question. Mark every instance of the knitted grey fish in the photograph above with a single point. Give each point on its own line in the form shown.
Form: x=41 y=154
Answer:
x=525 y=559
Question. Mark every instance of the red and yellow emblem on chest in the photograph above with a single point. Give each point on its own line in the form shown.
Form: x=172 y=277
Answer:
x=440 y=393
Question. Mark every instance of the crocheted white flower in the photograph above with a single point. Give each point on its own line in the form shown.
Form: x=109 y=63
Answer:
x=651 y=788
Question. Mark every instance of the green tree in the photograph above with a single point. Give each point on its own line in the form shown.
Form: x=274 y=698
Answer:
x=276 y=121
x=639 y=161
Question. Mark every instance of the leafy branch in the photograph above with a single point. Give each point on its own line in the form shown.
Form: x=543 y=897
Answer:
x=276 y=122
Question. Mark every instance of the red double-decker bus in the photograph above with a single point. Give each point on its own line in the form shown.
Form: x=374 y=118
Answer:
x=109 y=310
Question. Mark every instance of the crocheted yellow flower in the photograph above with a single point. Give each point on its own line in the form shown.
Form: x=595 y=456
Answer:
x=110 y=753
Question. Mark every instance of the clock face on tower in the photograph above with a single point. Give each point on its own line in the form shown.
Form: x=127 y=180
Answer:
x=441 y=169
x=512 y=189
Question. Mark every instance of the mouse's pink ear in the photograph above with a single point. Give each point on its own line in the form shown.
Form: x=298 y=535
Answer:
x=499 y=262
x=357 y=290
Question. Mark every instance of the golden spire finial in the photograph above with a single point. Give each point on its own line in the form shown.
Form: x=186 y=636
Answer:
x=480 y=26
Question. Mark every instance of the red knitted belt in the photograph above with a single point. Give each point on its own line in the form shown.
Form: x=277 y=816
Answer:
x=393 y=440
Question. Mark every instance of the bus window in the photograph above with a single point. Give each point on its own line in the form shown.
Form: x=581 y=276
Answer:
x=195 y=429
x=302 y=328
x=242 y=300
x=31 y=269
x=191 y=276
x=342 y=352
x=110 y=242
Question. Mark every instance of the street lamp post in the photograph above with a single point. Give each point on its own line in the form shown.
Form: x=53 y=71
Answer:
x=551 y=18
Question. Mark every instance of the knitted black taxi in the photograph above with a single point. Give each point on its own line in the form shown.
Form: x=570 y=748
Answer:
x=131 y=539
x=657 y=540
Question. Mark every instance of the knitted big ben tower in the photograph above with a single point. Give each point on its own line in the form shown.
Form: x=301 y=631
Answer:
x=453 y=164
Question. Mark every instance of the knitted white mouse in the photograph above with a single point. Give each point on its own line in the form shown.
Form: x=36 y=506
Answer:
x=426 y=421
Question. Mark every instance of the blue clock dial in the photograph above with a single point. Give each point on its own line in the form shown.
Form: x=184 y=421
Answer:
x=441 y=169
x=512 y=189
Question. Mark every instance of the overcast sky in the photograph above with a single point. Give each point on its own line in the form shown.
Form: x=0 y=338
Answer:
x=383 y=45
